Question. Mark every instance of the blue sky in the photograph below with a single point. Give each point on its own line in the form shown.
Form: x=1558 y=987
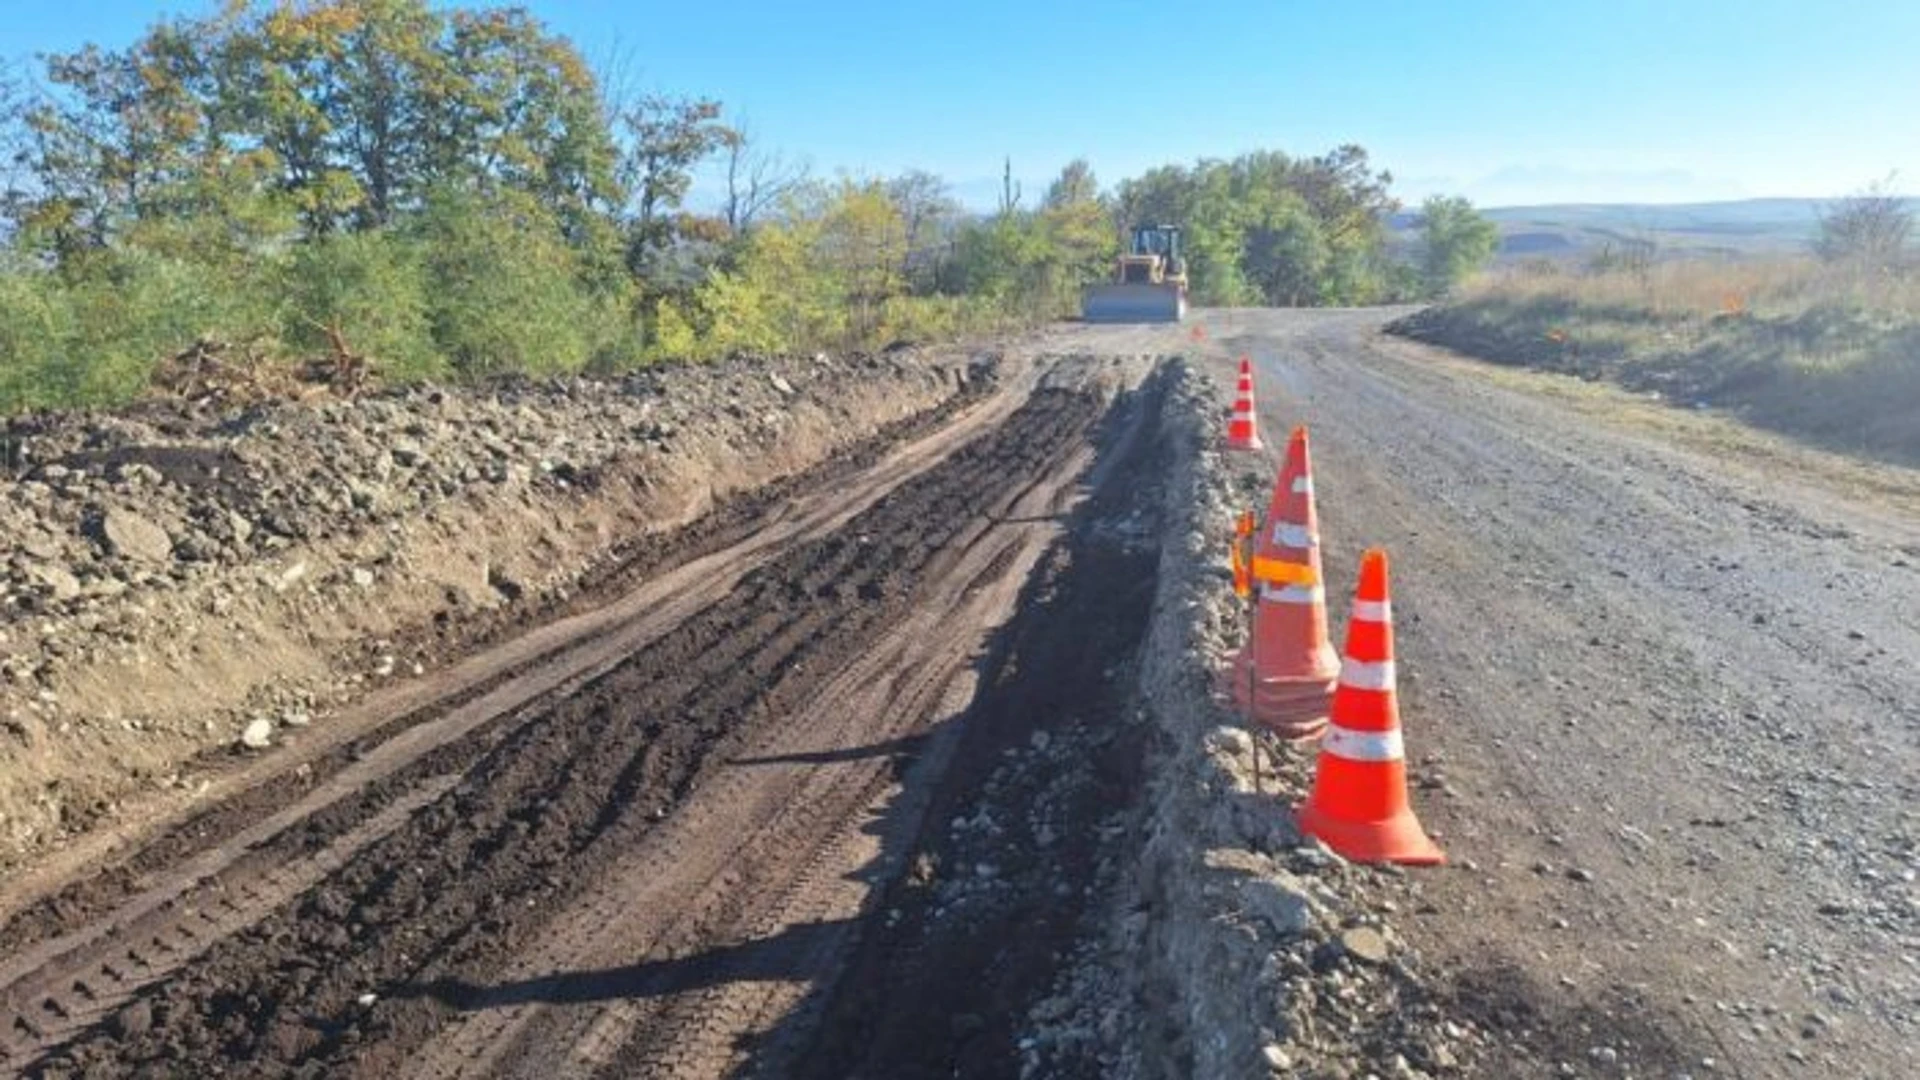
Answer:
x=1508 y=102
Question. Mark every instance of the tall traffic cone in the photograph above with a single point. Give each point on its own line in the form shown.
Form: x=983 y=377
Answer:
x=1283 y=677
x=1243 y=431
x=1359 y=800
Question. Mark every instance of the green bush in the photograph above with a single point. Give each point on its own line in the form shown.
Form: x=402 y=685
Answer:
x=505 y=290
x=36 y=329
x=369 y=288
x=95 y=338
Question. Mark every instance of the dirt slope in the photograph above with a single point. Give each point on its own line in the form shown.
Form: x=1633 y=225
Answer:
x=1662 y=681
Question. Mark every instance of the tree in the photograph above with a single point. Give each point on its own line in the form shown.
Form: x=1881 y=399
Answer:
x=995 y=260
x=1349 y=198
x=1455 y=241
x=522 y=111
x=927 y=208
x=1868 y=230
x=1286 y=253
x=1269 y=227
x=450 y=190
x=367 y=291
x=15 y=144
x=102 y=147
x=352 y=110
x=1074 y=186
x=504 y=288
x=1081 y=241
x=757 y=179
x=863 y=247
x=1160 y=196
x=665 y=138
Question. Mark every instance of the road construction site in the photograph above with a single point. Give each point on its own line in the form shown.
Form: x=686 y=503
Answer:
x=906 y=751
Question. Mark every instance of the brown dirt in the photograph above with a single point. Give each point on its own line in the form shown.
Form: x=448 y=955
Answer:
x=386 y=536
x=685 y=800
x=1051 y=755
x=442 y=641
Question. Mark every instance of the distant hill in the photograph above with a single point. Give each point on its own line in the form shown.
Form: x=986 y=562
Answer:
x=1747 y=227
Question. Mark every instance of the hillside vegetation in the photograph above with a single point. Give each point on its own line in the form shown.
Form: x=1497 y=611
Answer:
x=353 y=189
x=1824 y=350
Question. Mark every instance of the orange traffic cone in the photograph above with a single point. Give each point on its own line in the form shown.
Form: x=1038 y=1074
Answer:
x=1199 y=332
x=1359 y=800
x=1283 y=678
x=1243 y=431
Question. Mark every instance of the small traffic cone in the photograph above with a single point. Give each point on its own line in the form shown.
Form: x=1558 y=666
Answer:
x=1283 y=677
x=1199 y=332
x=1358 y=806
x=1243 y=431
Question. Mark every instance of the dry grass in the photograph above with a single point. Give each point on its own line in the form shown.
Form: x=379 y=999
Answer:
x=1706 y=288
x=1826 y=355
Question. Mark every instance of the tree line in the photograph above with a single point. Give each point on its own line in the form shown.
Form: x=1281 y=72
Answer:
x=441 y=192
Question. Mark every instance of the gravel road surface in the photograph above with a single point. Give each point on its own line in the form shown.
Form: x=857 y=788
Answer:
x=1661 y=680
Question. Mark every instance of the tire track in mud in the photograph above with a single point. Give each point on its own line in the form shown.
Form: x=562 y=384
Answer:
x=211 y=857
x=748 y=992
x=941 y=987
x=770 y=816
x=633 y=565
x=538 y=812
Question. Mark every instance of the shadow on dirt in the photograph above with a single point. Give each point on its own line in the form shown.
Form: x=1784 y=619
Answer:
x=1000 y=869
x=781 y=957
x=902 y=747
x=1536 y=1028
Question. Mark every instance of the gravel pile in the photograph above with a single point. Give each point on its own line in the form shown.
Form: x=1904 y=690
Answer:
x=168 y=492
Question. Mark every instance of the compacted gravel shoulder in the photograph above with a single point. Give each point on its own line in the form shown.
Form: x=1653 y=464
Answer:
x=1662 y=686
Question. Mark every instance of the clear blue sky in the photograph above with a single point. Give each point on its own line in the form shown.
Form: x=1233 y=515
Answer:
x=1506 y=101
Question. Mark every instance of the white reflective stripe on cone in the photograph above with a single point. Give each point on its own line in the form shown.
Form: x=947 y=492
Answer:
x=1303 y=485
x=1373 y=610
x=1364 y=745
x=1363 y=676
x=1292 y=594
x=1289 y=535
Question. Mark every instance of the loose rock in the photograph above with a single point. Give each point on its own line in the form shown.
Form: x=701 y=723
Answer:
x=130 y=536
x=257 y=735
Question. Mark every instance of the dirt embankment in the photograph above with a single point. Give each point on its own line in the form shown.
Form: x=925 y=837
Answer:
x=180 y=581
x=1844 y=379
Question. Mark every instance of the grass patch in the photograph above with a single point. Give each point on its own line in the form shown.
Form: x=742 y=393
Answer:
x=1826 y=356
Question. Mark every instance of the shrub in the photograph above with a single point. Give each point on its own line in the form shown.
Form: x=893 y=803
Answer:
x=506 y=292
x=370 y=289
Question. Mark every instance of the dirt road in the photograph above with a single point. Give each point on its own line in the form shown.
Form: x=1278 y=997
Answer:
x=1662 y=686
x=636 y=841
